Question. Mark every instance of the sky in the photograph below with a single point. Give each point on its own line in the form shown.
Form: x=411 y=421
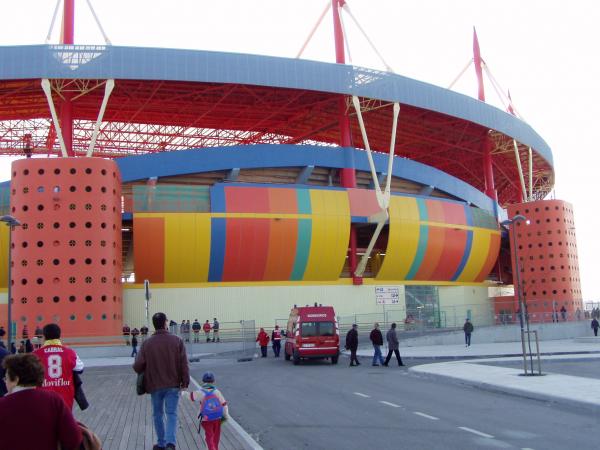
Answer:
x=544 y=51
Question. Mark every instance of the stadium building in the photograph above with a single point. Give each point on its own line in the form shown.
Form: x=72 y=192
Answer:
x=239 y=185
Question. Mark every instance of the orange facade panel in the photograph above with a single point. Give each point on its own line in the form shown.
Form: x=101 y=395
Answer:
x=67 y=252
x=547 y=255
x=149 y=251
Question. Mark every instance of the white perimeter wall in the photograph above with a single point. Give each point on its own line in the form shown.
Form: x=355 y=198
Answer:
x=266 y=304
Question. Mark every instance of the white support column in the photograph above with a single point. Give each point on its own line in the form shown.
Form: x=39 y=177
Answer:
x=520 y=169
x=388 y=182
x=363 y=131
x=530 y=175
x=48 y=91
x=110 y=84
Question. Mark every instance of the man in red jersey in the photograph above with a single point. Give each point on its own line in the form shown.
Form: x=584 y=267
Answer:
x=59 y=364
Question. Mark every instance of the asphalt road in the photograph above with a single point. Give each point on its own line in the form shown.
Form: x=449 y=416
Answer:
x=320 y=406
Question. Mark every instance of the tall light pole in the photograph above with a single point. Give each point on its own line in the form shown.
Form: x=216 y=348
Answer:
x=11 y=222
x=523 y=317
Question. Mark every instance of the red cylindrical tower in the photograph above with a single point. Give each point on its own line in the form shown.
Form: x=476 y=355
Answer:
x=66 y=257
x=547 y=252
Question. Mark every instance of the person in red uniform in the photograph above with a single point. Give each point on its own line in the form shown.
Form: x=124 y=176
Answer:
x=263 y=341
x=206 y=327
x=59 y=364
x=276 y=340
x=30 y=417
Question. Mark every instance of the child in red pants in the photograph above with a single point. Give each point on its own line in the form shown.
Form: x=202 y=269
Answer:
x=213 y=409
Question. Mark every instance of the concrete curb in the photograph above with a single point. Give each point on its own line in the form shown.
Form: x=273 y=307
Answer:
x=498 y=388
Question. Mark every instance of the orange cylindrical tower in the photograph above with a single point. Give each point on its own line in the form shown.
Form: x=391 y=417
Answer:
x=547 y=252
x=66 y=258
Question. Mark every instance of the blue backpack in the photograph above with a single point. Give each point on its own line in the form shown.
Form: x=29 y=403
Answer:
x=211 y=407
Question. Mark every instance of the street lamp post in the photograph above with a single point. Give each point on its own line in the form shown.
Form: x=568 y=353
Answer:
x=522 y=316
x=11 y=222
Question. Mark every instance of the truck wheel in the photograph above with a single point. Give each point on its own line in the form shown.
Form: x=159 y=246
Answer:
x=296 y=358
x=286 y=355
x=334 y=359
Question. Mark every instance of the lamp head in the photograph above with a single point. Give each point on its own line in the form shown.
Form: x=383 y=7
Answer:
x=10 y=221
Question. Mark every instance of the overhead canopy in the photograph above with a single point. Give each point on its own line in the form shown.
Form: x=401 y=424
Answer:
x=178 y=99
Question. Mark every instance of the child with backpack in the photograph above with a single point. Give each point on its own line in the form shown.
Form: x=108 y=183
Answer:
x=213 y=409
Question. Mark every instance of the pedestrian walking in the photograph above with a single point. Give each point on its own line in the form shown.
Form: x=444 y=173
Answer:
x=163 y=361
x=377 y=340
x=468 y=329
x=206 y=328
x=144 y=332
x=595 y=326
x=3 y=354
x=172 y=327
x=188 y=330
x=38 y=335
x=182 y=330
x=352 y=344
x=215 y=327
x=196 y=327
x=60 y=362
x=2 y=333
x=134 y=344
x=276 y=341
x=126 y=333
x=213 y=409
x=393 y=346
x=263 y=341
x=563 y=313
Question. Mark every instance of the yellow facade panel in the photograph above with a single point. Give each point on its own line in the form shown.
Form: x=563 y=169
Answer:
x=403 y=240
x=187 y=247
x=329 y=234
x=478 y=255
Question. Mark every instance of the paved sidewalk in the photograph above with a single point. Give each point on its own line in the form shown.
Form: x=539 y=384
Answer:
x=467 y=368
x=565 y=389
x=556 y=347
x=123 y=420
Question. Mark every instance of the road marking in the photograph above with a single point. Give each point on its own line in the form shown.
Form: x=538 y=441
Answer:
x=478 y=433
x=390 y=404
x=427 y=416
x=526 y=448
x=362 y=395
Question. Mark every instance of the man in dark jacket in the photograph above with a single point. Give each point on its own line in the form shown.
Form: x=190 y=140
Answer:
x=352 y=344
x=468 y=329
x=196 y=329
x=393 y=346
x=163 y=360
x=595 y=326
x=377 y=340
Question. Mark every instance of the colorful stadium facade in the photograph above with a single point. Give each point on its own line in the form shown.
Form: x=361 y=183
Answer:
x=240 y=185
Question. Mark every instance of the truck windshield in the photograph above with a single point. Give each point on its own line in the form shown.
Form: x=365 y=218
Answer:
x=311 y=329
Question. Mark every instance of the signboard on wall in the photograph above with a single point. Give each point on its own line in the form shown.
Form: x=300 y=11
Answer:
x=387 y=295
